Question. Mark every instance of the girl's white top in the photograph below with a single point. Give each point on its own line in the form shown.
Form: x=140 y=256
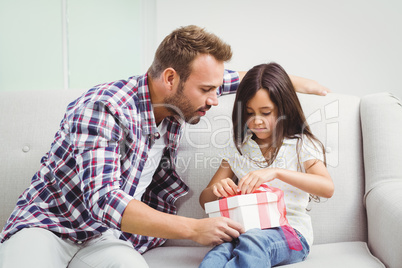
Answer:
x=295 y=199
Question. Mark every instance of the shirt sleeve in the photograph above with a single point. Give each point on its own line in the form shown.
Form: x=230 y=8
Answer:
x=310 y=150
x=237 y=162
x=231 y=81
x=95 y=135
x=225 y=154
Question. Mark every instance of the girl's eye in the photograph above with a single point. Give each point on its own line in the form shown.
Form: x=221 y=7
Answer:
x=264 y=114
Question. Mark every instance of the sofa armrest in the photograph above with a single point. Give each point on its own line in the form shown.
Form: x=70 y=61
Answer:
x=384 y=215
x=381 y=119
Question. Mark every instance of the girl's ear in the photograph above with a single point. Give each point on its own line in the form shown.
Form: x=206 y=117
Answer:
x=169 y=77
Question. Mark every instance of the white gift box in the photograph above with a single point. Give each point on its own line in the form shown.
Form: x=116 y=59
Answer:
x=257 y=210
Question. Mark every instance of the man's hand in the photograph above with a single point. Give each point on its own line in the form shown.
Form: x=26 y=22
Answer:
x=302 y=85
x=139 y=218
x=215 y=231
x=308 y=86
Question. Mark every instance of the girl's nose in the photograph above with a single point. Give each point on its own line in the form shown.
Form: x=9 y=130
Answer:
x=258 y=120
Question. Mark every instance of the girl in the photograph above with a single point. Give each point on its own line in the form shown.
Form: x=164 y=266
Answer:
x=273 y=145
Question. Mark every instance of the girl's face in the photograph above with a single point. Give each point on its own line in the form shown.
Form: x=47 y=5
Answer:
x=262 y=116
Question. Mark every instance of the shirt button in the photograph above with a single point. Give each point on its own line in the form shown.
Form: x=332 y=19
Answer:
x=25 y=149
x=157 y=135
x=79 y=242
x=329 y=150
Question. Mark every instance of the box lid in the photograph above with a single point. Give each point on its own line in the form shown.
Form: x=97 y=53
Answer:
x=239 y=200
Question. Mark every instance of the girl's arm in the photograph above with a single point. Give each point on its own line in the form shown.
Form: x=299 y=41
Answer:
x=316 y=180
x=221 y=185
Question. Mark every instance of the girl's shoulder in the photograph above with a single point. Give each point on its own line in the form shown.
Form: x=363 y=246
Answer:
x=305 y=147
x=302 y=139
x=248 y=146
x=311 y=148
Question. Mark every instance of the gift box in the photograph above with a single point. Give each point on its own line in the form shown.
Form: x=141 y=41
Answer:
x=262 y=209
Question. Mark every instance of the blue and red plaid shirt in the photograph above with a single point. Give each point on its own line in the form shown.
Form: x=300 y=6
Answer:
x=95 y=162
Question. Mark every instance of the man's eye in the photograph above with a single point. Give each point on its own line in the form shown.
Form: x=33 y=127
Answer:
x=209 y=89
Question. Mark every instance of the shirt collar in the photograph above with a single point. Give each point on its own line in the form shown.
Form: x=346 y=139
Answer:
x=162 y=128
x=145 y=104
x=149 y=126
x=249 y=135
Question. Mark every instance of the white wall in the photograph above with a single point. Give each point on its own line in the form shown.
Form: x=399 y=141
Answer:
x=104 y=41
x=351 y=46
x=63 y=44
x=30 y=44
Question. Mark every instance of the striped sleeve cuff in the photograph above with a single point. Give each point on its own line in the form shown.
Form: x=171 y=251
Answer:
x=231 y=81
x=115 y=205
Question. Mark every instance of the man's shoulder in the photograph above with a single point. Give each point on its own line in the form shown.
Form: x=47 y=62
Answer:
x=119 y=92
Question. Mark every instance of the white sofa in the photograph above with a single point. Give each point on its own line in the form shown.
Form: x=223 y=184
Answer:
x=358 y=227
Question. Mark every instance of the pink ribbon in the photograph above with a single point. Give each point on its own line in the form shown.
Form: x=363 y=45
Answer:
x=223 y=207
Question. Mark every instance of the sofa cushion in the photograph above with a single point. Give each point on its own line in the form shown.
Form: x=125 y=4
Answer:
x=334 y=255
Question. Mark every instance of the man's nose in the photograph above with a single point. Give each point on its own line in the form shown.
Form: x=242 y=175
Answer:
x=212 y=99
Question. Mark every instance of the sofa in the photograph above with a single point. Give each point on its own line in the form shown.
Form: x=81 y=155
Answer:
x=358 y=227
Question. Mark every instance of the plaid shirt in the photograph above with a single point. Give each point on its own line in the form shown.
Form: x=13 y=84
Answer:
x=95 y=162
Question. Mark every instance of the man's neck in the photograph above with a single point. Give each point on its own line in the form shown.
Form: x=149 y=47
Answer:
x=156 y=95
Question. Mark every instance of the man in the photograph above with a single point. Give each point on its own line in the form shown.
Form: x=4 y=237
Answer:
x=98 y=199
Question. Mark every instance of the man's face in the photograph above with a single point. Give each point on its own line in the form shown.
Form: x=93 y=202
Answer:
x=196 y=96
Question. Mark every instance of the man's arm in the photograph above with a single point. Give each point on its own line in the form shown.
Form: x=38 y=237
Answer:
x=139 y=218
x=302 y=85
x=308 y=86
x=241 y=74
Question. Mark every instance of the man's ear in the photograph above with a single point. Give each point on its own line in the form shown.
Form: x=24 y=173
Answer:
x=169 y=77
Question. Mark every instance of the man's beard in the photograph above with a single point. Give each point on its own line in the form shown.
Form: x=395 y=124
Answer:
x=180 y=105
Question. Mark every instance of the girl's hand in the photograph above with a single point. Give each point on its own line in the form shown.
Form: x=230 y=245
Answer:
x=254 y=179
x=224 y=188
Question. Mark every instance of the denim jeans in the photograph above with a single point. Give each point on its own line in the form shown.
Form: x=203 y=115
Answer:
x=256 y=248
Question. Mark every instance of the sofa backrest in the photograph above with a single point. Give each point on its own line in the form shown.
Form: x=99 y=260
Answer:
x=29 y=121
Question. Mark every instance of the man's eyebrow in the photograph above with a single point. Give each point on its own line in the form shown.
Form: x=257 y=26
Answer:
x=209 y=86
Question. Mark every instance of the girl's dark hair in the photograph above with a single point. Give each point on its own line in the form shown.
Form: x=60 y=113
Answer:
x=291 y=122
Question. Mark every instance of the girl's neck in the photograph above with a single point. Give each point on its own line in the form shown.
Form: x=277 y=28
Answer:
x=268 y=149
x=265 y=143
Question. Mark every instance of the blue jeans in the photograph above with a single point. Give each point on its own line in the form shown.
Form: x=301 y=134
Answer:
x=256 y=248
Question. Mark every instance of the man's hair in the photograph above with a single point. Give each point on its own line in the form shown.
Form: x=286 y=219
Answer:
x=182 y=46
